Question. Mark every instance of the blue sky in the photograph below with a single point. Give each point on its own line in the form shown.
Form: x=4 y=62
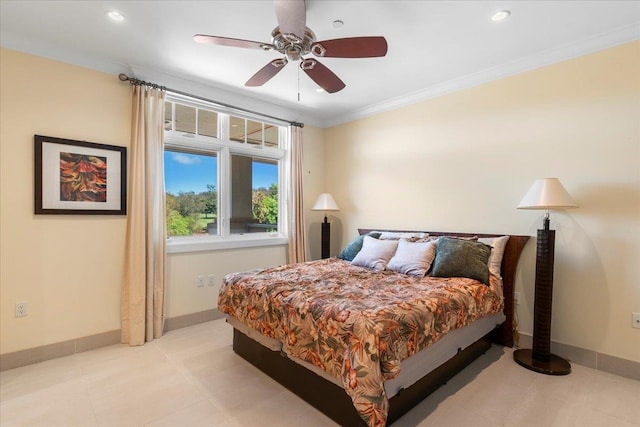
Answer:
x=192 y=172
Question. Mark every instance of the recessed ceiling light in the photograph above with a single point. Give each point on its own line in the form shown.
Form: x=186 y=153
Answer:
x=337 y=23
x=500 y=15
x=115 y=15
x=319 y=89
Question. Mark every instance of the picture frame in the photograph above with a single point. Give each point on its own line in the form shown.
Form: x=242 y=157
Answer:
x=79 y=177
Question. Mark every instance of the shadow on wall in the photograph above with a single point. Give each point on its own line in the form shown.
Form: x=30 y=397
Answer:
x=615 y=201
x=581 y=293
x=611 y=213
x=583 y=288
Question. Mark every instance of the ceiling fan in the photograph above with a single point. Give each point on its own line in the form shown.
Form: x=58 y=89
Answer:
x=293 y=39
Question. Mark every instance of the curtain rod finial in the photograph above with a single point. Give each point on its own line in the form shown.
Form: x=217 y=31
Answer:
x=123 y=77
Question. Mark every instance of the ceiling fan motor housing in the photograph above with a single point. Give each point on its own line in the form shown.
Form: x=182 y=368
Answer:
x=290 y=45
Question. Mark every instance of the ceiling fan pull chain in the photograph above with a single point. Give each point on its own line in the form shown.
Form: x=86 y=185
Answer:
x=298 y=84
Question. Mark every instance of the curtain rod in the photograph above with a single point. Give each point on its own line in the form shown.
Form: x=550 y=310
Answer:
x=132 y=80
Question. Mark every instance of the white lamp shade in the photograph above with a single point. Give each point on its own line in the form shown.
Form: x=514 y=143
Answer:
x=547 y=193
x=325 y=202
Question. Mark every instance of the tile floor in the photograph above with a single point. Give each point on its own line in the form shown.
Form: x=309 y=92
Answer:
x=191 y=377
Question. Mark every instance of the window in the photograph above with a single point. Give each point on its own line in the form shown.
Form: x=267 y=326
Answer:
x=254 y=195
x=224 y=175
x=191 y=182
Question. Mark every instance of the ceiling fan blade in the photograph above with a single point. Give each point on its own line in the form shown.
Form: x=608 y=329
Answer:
x=267 y=72
x=226 y=41
x=324 y=77
x=292 y=17
x=351 y=47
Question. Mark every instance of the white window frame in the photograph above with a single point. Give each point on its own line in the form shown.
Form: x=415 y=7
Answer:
x=223 y=149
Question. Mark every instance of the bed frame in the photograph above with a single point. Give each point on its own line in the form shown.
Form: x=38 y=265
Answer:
x=334 y=402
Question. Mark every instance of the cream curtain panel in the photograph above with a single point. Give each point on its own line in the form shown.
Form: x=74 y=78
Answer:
x=296 y=208
x=143 y=290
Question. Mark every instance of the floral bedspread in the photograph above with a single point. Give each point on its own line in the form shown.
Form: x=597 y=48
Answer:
x=356 y=324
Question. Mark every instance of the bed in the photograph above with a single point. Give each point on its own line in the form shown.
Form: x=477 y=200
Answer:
x=363 y=345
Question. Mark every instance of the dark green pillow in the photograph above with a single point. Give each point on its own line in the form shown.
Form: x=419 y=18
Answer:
x=352 y=249
x=462 y=258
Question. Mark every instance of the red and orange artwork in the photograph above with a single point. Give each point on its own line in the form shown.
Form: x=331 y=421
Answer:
x=83 y=178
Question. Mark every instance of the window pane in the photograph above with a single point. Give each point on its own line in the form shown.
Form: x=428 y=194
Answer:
x=237 y=129
x=185 y=119
x=254 y=132
x=254 y=195
x=191 y=185
x=270 y=136
x=208 y=123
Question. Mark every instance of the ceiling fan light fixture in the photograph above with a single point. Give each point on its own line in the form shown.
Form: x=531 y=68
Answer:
x=500 y=15
x=294 y=40
x=291 y=45
x=293 y=52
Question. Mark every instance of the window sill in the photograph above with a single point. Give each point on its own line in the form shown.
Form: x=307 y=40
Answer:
x=176 y=245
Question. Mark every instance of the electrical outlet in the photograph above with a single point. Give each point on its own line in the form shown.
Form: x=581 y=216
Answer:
x=211 y=280
x=635 y=320
x=22 y=309
x=200 y=281
x=516 y=298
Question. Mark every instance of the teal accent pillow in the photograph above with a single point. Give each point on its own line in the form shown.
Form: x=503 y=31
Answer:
x=352 y=249
x=462 y=258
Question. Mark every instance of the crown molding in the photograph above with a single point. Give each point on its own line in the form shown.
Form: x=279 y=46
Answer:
x=558 y=54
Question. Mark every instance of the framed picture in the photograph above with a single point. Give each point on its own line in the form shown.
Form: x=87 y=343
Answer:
x=79 y=177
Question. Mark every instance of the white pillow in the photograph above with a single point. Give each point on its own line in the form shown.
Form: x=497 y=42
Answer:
x=413 y=259
x=497 y=251
x=375 y=253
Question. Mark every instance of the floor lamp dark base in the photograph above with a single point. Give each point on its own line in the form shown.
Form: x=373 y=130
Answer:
x=555 y=366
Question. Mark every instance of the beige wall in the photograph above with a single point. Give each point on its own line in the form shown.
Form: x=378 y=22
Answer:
x=69 y=268
x=183 y=295
x=314 y=184
x=463 y=161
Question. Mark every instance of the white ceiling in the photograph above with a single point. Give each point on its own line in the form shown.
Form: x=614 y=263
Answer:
x=434 y=46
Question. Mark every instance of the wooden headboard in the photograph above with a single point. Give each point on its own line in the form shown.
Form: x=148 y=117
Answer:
x=504 y=334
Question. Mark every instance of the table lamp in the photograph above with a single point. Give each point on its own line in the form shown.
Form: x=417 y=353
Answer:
x=325 y=203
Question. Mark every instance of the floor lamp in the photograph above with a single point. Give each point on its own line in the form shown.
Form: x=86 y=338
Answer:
x=325 y=203
x=547 y=193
